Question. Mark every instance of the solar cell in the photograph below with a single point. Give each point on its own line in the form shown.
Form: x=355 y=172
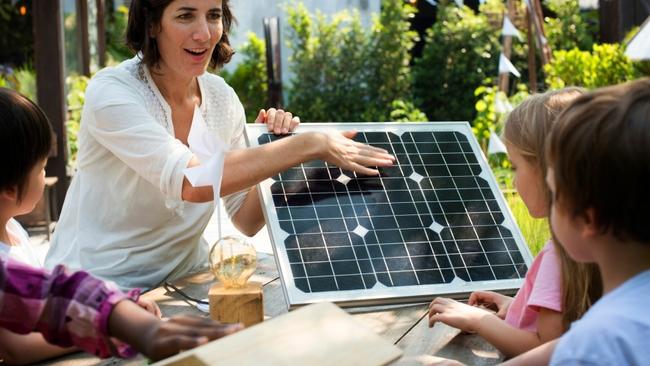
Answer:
x=433 y=224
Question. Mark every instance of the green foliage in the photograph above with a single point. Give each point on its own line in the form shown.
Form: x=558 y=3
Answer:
x=404 y=111
x=249 y=78
x=116 y=48
x=570 y=28
x=22 y=80
x=461 y=50
x=488 y=119
x=344 y=73
x=76 y=97
x=388 y=59
x=26 y=82
x=605 y=65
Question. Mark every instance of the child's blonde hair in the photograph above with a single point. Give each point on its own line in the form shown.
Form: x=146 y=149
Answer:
x=526 y=129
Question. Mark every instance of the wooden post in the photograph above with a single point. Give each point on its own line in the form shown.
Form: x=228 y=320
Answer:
x=542 y=43
x=273 y=61
x=504 y=77
x=240 y=305
x=48 y=62
x=101 y=32
x=82 y=36
x=532 y=63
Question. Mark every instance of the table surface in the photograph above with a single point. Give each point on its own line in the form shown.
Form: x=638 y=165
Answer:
x=406 y=325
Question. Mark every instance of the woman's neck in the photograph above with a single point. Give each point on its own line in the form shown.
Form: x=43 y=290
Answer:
x=175 y=88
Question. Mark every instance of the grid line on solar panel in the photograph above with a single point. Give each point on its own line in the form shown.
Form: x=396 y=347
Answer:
x=432 y=196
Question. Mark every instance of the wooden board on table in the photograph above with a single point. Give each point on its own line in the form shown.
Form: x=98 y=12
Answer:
x=314 y=335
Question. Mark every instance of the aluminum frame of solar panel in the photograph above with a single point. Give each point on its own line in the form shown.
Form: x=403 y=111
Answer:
x=381 y=294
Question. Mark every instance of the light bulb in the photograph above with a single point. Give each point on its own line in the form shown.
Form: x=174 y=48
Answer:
x=232 y=261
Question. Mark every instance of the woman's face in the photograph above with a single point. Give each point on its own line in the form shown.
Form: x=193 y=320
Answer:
x=528 y=183
x=188 y=33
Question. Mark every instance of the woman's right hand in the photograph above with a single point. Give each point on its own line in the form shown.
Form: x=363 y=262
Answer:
x=339 y=149
x=489 y=298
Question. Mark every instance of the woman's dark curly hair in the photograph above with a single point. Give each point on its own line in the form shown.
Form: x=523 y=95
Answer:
x=145 y=15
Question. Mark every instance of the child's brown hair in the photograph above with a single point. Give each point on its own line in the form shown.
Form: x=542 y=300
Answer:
x=599 y=151
x=527 y=129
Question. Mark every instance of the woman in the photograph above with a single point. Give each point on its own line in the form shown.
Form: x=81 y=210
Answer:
x=130 y=214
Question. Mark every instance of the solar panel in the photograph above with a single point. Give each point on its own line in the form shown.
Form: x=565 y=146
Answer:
x=435 y=223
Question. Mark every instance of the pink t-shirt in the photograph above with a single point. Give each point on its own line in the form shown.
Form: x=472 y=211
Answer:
x=541 y=289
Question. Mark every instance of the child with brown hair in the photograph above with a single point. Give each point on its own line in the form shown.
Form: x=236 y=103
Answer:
x=599 y=174
x=556 y=290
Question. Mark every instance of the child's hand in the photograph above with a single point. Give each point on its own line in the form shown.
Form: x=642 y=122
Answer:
x=150 y=306
x=456 y=314
x=183 y=332
x=157 y=338
x=488 y=298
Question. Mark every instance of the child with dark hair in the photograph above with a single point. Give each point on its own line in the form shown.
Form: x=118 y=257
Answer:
x=599 y=175
x=66 y=309
x=25 y=142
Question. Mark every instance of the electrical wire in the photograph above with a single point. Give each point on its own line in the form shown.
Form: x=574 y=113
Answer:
x=168 y=285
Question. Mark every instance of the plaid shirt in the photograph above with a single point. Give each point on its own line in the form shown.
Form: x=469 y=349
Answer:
x=67 y=308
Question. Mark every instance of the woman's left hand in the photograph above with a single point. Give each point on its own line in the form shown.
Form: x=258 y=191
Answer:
x=278 y=121
x=456 y=314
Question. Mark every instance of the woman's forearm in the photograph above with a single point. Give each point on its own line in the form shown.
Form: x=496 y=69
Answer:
x=246 y=167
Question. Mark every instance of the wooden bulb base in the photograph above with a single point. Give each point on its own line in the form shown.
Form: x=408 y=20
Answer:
x=237 y=305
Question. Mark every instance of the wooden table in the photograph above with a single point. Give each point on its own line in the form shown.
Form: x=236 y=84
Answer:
x=406 y=326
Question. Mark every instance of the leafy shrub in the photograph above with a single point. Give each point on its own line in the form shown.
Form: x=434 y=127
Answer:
x=249 y=78
x=404 y=111
x=116 y=48
x=605 y=65
x=461 y=50
x=76 y=85
x=345 y=73
x=570 y=28
x=22 y=80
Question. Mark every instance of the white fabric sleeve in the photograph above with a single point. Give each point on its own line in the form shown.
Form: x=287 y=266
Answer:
x=234 y=201
x=121 y=123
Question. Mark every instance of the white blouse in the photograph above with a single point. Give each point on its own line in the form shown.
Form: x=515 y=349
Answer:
x=123 y=218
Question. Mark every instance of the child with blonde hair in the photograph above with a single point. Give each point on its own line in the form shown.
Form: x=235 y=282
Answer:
x=556 y=290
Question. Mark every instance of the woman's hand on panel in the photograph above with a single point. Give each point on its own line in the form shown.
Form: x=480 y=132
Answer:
x=339 y=149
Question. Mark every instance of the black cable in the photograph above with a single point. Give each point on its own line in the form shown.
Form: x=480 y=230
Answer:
x=183 y=294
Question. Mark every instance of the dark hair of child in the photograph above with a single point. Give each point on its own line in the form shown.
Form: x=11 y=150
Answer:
x=25 y=139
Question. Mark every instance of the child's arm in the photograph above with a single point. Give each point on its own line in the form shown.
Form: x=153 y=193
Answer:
x=19 y=349
x=509 y=340
x=160 y=339
x=539 y=356
x=78 y=309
